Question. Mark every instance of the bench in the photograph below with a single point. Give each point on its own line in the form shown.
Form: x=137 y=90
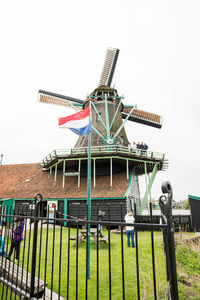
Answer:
x=73 y=238
x=54 y=295
x=19 y=280
x=104 y=239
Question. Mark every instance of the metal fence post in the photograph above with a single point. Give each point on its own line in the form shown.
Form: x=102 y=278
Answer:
x=38 y=199
x=168 y=239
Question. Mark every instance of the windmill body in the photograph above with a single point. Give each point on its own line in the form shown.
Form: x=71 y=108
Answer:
x=109 y=142
x=101 y=120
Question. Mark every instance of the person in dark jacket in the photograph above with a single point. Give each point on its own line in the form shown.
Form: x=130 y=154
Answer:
x=145 y=147
x=16 y=238
x=101 y=214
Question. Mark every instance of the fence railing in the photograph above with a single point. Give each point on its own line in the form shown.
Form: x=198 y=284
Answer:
x=75 y=259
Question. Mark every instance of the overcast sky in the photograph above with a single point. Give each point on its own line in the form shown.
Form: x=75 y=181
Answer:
x=60 y=46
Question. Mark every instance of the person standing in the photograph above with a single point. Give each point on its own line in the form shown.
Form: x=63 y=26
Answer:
x=134 y=146
x=130 y=229
x=145 y=147
x=2 y=252
x=101 y=214
x=16 y=238
x=138 y=145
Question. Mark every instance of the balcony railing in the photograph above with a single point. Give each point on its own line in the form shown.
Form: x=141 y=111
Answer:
x=101 y=151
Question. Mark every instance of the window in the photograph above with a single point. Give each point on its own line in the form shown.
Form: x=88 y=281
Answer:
x=31 y=206
x=99 y=95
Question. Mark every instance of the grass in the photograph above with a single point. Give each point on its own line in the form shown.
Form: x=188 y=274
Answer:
x=5 y=293
x=188 y=265
x=130 y=275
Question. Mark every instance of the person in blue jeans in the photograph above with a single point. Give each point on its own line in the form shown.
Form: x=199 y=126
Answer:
x=101 y=214
x=16 y=238
x=130 y=229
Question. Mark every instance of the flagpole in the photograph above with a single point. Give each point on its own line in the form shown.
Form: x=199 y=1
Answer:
x=89 y=192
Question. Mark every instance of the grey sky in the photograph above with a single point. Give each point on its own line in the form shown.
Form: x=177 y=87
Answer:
x=60 y=46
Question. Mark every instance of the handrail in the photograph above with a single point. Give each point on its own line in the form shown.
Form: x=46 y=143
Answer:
x=61 y=153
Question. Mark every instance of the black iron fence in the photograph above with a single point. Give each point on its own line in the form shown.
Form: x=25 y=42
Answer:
x=87 y=259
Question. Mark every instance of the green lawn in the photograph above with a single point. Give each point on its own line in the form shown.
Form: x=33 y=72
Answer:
x=188 y=265
x=145 y=266
x=6 y=293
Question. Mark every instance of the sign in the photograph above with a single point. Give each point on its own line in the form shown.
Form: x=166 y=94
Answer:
x=52 y=209
x=52 y=204
x=72 y=174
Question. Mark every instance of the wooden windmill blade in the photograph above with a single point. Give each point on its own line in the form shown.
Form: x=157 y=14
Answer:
x=57 y=99
x=142 y=117
x=109 y=67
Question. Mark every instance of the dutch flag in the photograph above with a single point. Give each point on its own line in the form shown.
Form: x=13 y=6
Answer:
x=79 y=122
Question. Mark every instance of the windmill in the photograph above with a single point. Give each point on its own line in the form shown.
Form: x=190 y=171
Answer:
x=108 y=109
x=109 y=116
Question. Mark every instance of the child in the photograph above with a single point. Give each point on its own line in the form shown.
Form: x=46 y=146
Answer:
x=16 y=238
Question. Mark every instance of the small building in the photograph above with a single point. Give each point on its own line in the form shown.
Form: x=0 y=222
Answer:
x=20 y=182
x=194 y=203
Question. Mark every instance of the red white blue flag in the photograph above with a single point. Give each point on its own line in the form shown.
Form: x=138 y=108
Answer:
x=79 y=122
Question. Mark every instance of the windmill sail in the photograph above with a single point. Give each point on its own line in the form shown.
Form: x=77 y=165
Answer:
x=109 y=67
x=143 y=117
x=57 y=99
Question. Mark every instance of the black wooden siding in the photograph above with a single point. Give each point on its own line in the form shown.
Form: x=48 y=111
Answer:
x=195 y=213
x=78 y=209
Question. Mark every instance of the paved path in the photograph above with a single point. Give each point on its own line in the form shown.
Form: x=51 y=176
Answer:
x=54 y=295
